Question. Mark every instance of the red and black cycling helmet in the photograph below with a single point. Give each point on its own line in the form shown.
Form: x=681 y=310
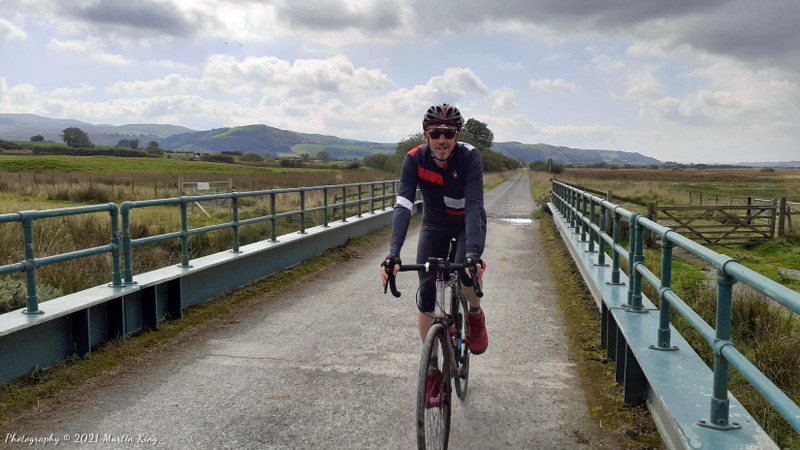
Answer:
x=443 y=114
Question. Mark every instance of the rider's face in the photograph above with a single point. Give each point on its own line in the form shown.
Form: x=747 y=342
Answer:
x=442 y=141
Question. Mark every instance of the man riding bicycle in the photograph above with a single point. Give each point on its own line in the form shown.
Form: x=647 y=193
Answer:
x=449 y=175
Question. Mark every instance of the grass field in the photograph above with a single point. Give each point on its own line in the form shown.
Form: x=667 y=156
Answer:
x=147 y=166
x=689 y=186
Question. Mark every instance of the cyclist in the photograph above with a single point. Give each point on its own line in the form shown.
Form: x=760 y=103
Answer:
x=449 y=175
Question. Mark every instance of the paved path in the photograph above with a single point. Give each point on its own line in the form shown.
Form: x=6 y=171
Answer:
x=332 y=364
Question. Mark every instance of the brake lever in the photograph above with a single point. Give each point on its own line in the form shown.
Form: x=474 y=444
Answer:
x=475 y=285
x=391 y=284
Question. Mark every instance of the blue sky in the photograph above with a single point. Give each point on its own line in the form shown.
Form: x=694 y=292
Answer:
x=678 y=80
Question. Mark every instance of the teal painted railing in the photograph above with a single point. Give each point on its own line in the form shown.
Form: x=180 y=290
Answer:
x=29 y=265
x=579 y=209
x=365 y=197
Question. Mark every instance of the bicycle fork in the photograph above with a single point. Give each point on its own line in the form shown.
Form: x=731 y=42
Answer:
x=441 y=314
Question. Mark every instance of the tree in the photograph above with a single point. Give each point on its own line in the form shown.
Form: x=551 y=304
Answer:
x=37 y=138
x=74 y=137
x=481 y=134
x=134 y=144
x=152 y=144
x=251 y=157
x=324 y=156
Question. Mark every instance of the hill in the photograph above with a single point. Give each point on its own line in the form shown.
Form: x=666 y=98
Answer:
x=20 y=127
x=269 y=141
x=568 y=155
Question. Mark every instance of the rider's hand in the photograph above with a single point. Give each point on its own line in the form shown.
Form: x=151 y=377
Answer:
x=393 y=261
x=479 y=265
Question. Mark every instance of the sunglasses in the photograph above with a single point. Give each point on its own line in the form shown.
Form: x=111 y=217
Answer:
x=448 y=134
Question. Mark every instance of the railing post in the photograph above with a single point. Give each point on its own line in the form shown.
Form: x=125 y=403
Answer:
x=663 y=342
x=372 y=198
x=631 y=261
x=614 y=252
x=274 y=232
x=383 y=197
x=344 y=204
x=591 y=222
x=184 y=236
x=638 y=259
x=32 y=300
x=359 y=200
x=302 y=211
x=116 y=278
x=325 y=206
x=570 y=219
x=235 y=205
x=127 y=263
x=601 y=254
x=719 y=401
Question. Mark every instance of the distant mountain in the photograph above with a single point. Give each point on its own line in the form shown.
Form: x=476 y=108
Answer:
x=20 y=127
x=269 y=141
x=776 y=165
x=568 y=155
x=266 y=140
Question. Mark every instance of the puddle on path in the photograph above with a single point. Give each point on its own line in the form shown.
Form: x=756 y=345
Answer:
x=515 y=220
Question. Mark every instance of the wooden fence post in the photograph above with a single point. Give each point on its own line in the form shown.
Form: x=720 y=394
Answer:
x=782 y=217
x=749 y=204
x=773 y=214
x=651 y=214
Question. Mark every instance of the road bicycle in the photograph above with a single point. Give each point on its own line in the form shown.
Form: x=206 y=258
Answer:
x=445 y=346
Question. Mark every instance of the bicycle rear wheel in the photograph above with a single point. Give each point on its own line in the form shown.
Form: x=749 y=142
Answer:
x=433 y=407
x=462 y=356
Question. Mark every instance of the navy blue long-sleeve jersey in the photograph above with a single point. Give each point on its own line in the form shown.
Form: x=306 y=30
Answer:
x=452 y=196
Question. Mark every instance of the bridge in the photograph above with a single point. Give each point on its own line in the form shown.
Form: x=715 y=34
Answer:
x=331 y=362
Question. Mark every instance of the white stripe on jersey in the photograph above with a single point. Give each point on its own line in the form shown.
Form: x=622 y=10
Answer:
x=404 y=202
x=454 y=203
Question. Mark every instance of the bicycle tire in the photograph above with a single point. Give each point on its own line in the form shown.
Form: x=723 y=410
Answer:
x=462 y=362
x=433 y=415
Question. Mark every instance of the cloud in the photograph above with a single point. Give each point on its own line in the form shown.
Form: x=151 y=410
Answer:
x=92 y=48
x=170 y=84
x=66 y=92
x=550 y=85
x=137 y=16
x=10 y=32
x=335 y=74
x=371 y=16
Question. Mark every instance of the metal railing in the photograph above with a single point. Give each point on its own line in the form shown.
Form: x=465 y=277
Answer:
x=365 y=197
x=29 y=265
x=588 y=215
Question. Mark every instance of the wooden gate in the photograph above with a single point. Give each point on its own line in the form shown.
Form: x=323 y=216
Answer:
x=720 y=224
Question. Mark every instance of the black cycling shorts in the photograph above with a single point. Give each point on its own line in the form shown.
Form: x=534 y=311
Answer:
x=434 y=242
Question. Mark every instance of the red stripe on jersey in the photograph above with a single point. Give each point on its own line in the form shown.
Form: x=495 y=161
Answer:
x=415 y=149
x=455 y=212
x=429 y=175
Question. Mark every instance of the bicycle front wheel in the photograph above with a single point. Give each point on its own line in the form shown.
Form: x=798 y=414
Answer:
x=433 y=391
x=462 y=354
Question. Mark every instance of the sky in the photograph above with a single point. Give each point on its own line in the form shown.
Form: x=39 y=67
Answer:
x=714 y=81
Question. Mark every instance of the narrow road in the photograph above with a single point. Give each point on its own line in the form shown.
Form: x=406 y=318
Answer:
x=333 y=363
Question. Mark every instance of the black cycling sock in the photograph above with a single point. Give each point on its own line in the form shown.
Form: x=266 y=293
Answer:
x=432 y=364
x=475 y=311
